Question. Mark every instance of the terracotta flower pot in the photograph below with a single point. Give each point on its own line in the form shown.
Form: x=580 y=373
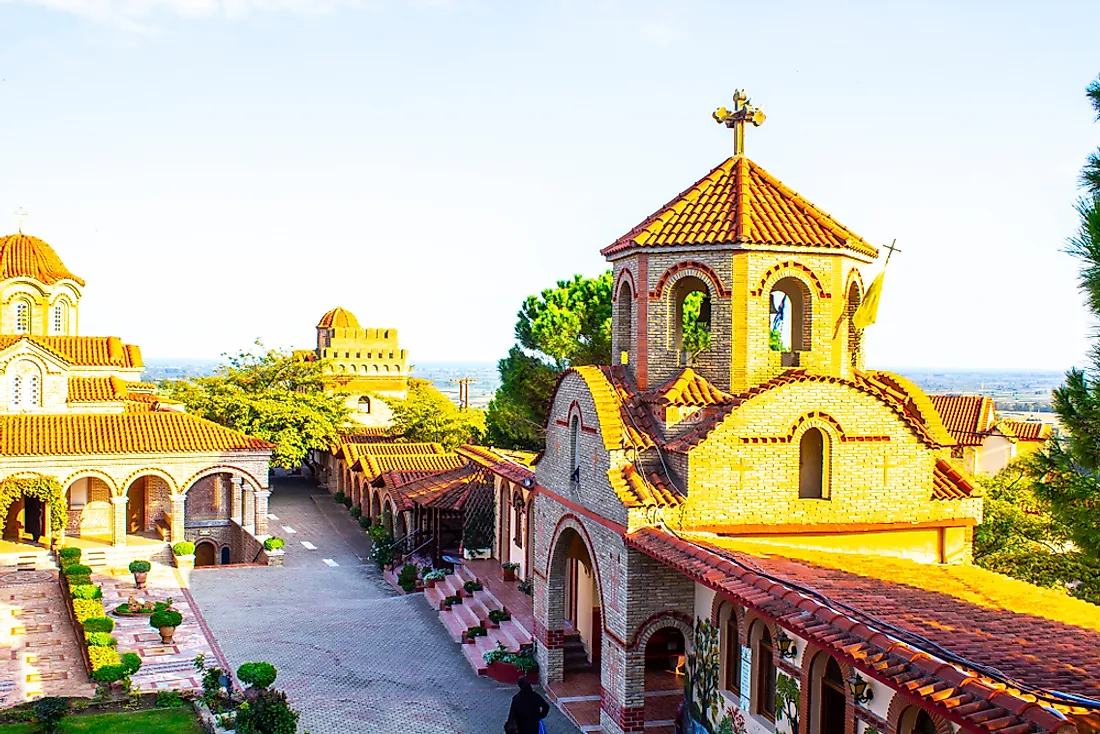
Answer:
x=139 y=579
x=508 y=574
x=166 y=634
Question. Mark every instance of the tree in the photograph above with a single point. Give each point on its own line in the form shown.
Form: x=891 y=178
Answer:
x=269 y=394
x=565 y=326
x=1069 y=466
x=428 y=415
x=694 y=330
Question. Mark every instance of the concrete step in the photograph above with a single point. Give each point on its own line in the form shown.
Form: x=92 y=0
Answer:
x=472 y=653
x=465 y=574
x=452 y=586
x=435 y=597
x=454 y=626
x=466 y=615
x=487 y=600
x=516 y=632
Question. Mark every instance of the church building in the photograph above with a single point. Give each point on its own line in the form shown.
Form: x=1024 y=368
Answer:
x=90 y=455
x=740 y=526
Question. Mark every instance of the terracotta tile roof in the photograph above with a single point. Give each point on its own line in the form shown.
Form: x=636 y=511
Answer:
x=84 y=351
x=371 y=466
x=968 y=417
x=23 y=256
x=96 y=389
x=447 y=490
x=949 y=482
x=498 y=461
x=635 y=491
x=352 y=452
x=127 y=433
x=1038 y=638
x=1028 y=430
x=392 y=479
x=338 y=318
x=689 y=388
x=740 y=203
x=623 y=423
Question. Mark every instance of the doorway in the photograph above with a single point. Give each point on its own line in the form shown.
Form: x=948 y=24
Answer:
x=135 y=507
x=833 y=700
x=204 y=554
x=34 y=517
x=225 y=556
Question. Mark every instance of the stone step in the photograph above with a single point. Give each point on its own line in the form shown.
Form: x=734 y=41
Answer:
x=435 y=597
x=451 y=586
x=487 y=600
x=466 y=615
x=465 y=574
x=453 y=625
x=472 y=653
x=516 y=633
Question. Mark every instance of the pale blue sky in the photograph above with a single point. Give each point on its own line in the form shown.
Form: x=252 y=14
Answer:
x=219 y=170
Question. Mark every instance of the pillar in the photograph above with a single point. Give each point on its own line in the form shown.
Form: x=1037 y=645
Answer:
x=261 y=511
x=48 y=526
x=249 y=507
x=179 y=505
x=118 y=520
x=236 y=510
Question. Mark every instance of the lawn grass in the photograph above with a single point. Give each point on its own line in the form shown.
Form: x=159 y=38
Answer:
x=155 y=721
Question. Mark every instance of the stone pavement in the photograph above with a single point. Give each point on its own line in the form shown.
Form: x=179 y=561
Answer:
x=39 y=655
x=352 y=654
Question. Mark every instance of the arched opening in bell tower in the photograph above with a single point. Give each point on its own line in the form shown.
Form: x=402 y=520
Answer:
x=789 y=319
x=624 y=322
x=691 y=322
x=855 y=336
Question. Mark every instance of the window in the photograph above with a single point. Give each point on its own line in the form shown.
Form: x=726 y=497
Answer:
x=78 y=493
x=855 y=336
x=790 y=319
x=692 y=319
x=364 y=404
x=831 y=695
x=60 y=317
x=915 y=720
x=732 y=646
x=575 y=449
x=811 y=465
x=22 y=317
x=15 y=399
x=624 y=321
x=518 y=517
x=765 y=675
x=34 y=392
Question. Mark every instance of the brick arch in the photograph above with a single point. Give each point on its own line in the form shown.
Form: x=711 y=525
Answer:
x=693 y=268
x=810 y=653
x=624 y=275
x=222 y=469
x=123 y=487
x=751 y=618
x=739 y=609
x=656 y=622
x=901 y=703
x=790 y=269
x=84 y=473
x=570 y=521
x=817 y=419
x=854 y=277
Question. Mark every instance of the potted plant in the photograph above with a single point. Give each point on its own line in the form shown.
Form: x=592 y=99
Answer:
x=140 y=569
x=508 y=571
x=496 y=616
x=473 y=632
x=451 y=601
x=184 y=553
x=166 y=621
x=431 y=578
x=471 y=586
x=257 y=676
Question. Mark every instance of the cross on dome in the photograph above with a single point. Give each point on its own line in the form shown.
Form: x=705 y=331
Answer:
x=743 y=111
x=20 y=214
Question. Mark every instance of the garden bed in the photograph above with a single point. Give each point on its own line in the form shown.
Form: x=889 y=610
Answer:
x=180 y=720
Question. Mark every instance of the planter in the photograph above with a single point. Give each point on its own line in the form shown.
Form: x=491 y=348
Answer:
x=508 y=574
x=474 y=554
x=139 y=579
x=187 y=561
x=503 y=672
x=430 y=583
x=166 y=634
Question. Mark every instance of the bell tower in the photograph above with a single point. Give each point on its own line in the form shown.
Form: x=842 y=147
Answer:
x=739 y=277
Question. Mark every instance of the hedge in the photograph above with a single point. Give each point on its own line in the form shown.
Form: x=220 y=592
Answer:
x=86 y=609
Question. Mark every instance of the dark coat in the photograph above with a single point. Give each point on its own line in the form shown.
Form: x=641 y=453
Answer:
x=528 y=709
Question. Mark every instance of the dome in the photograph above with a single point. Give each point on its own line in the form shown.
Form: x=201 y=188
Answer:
x=23 y=256
x=338 y=318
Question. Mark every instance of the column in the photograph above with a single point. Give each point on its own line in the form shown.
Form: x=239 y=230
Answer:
x=236 y=510
x=179 y=505
x=261 y=511
x=249 y=507
x=48 y=528
x=118 y=520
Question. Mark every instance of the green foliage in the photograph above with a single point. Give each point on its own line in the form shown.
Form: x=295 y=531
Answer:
x=1021 y=537
x=775 y=341
x=356 y=512
x=381 y=551
x=99 y=639
x=477 y=631
x=787 y=696
x=694 y=326
x=49 y=712
x=347 y=501
x=257 y=675
x=436 y=574
x=406 y=579
x=45 y=489
x=274 y=543
x=524 y=660
x=169 y=699
x=85 y=591
x=77 y=579
x=68 y=555
x=140 y=566
x=704 y=674
x=452 y=600
x=165 y=618
x=472 y=586
x=526 y=587
x=111 y=673
x=99 y=624
x=85 y=609
x=364 y=521
x=499 y=615
x=77 y=569
x=428 y=415
x=269 y=394
x=183 y=548
x=734 y=722
x=508 y=566
x=268 y=713
x=338 y=496
x=131 y=661
x=565 y=326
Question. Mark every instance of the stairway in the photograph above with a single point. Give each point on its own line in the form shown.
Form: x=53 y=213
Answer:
x=120 y=556
x=576 y=657
x=30 y=559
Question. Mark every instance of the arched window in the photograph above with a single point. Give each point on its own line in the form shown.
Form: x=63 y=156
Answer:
x=691 y=327
x=575 y=449
x=830 y=694
x=764 y=687
x=924 y=724
x=915 y=720
x=790 y=319
x=518 y=517
x=624 y=320
x=811 y=465
x=22 y=317
x=60 y=317
x=364 y=404
x=33 y=397
x=731 y=647
x=855 y=336
x=15 y=399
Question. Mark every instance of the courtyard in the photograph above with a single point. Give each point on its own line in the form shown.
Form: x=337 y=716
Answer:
x=352 y=653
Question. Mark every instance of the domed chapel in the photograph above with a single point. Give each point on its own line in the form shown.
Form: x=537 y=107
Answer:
x=90 y=455
x=739 y=510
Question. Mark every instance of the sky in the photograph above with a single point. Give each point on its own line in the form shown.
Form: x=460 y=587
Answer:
x=225 y=170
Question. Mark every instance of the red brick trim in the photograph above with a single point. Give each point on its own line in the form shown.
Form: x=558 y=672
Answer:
x=629 y=718
x=900 y=703
x=687 y=265
x=580 y=510
x=805 y=678
x=657 y=621
x=790 y=265
x=641 y=369
x=564 y=422
x=624 y=274
x=815 y=415
x=853 y=275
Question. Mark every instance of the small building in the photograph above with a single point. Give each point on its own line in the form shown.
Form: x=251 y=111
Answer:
x=983 y=443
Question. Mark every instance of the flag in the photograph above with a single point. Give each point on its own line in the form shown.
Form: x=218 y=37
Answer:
x=867 y=312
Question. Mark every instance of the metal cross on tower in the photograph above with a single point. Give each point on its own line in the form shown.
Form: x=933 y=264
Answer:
x=742 y=112
x=20 y=214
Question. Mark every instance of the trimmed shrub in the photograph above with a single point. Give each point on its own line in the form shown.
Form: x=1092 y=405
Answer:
x=77 y=569
x=183 y=548
x=452 y=600
x=364 y=522
x=338 y=497
x=78 y=580
x=165 y=618
x=99 y=624
x=131 y=661
x=499 y=615
x=257 y=675
x=49 y=712
x=85 y=591
x=346 y=501
x=407 y=578
x=268 y=713
x=169 y=699
x=472 y=586
x=100 y=639
x=274 y=543
x=108 y=673
x=68 y=555
x=356 y=512
x=84 y=609
x=140 y=566
x=102 y=656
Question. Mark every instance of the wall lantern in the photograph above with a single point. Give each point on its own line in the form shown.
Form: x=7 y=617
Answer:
x=859 y=688
x=785 y=645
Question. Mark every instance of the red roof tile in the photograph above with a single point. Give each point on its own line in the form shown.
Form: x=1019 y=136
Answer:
x=689 y=388
x=1029 y=430
x=634 y=490
x=447 y=490
x=950 y=482
x=739 y=202
x=23 y=256
x=967 y=417
x=338 y=318
x=371 y=466
x=498 y=463
x=84 y=351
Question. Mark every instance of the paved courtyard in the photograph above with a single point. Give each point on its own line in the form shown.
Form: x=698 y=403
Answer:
x=352 y=654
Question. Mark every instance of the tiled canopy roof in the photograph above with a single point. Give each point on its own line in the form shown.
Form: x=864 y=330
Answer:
x=949 y=482
x=505 y=464
x=967 y=417
x=622 y=424
x=23 y=256
x=689 y=388
x=338 y=318
x=353 y=452
x=129 y=433
x=84 y=351
x=1028 y=430
x=447 y=490
x=371 y=465
x=1036 y=637
x=740 y=203
x=138 y=396
x=635 y=491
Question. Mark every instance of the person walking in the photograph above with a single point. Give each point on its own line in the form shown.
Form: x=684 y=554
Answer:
x=527 y=711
